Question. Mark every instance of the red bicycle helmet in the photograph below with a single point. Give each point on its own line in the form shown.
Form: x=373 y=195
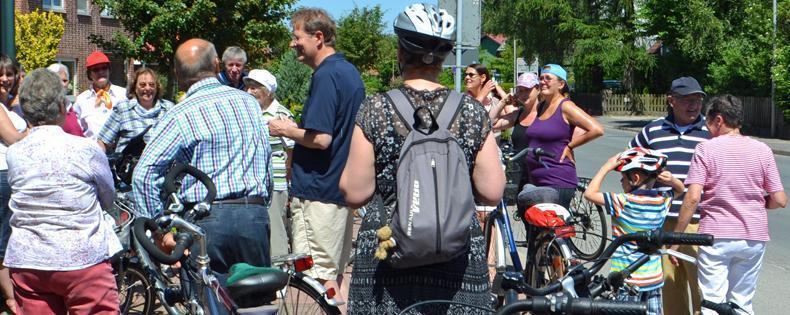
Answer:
x=638 y=158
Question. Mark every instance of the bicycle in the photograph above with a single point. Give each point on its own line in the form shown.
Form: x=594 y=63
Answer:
x=259 y=290
x=548 y=252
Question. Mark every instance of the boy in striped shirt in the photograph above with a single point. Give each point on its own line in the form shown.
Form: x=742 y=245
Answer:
x=639 y=208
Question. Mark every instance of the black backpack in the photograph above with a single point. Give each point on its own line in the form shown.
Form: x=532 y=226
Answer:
x=435 y=204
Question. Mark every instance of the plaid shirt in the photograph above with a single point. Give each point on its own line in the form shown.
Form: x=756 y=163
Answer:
x=129 y=119
x=218 y=130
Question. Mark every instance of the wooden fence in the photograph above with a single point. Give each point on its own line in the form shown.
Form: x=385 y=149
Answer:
x=756 y=110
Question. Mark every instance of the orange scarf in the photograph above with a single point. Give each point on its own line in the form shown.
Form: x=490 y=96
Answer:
x=103 y=96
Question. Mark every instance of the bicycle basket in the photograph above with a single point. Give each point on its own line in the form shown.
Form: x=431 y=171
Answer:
x=547 y=215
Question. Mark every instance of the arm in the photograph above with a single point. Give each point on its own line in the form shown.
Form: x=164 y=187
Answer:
x=8 y=133
x=165 y=146
x=690 y=203
x=358 y=181
x=579 y=118
x=488 y=178
x=102 y=146
x=666 y=178
x=102 y=176
x=776 y=200
x=309 y=138
x=109 y=132
x=593 y=192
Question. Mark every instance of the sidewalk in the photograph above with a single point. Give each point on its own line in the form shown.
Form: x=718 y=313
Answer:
x=635 y=124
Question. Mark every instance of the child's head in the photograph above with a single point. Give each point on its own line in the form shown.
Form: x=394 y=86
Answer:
x=640 y=168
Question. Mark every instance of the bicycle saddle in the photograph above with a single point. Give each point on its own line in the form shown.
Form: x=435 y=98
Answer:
x=251 y=286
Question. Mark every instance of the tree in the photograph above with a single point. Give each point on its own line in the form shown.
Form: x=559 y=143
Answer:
x=293 y=82
x=360 y=35
x=37 y=37
x=155 y=28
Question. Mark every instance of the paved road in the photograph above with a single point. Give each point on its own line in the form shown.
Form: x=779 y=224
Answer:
x=773 y=289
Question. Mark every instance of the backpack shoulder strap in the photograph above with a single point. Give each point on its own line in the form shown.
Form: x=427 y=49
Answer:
x=403 y=107
x=451 y=106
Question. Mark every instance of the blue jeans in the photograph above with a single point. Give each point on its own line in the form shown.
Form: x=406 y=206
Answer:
x=5 y=212
x=235 y=233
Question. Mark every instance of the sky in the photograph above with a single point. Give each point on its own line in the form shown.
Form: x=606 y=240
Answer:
x=339 y=8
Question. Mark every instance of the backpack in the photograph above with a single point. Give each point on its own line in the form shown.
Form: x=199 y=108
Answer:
x=435 y=203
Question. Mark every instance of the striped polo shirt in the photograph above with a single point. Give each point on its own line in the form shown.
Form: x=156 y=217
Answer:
x=734 y=171
x=664 y=136
x=640 y=210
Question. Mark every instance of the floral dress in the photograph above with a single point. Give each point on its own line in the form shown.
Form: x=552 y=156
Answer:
x=377 y=288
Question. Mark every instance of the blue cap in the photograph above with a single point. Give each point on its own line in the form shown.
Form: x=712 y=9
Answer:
x=685 y=86
x=555 y=70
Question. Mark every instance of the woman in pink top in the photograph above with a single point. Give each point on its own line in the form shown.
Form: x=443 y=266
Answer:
x=734 y=179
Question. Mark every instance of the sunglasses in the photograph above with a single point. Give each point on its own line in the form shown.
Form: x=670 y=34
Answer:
x=470 y=74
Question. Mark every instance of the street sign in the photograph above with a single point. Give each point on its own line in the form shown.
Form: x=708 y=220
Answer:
x=468 y=57
x=521 y=65
x=470 y=23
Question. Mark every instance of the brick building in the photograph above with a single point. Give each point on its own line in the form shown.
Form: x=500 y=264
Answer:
x=82 y=19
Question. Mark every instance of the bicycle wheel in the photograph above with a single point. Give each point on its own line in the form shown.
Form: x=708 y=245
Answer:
x=549 y=263
x=590 y=224
x=300 y=298
x=134 y=291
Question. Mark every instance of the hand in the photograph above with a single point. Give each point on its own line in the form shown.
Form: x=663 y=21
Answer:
x=665 y=177
x=613 y=162
x=167 y=243
x=10 y=303
x=488 y=87
x=673 y=259
x=567 y=153
x=279 y=127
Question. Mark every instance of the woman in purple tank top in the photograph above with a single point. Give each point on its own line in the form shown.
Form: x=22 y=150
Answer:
x=553 y=130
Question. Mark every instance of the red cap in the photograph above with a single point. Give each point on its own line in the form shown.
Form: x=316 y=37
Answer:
x=96 y=58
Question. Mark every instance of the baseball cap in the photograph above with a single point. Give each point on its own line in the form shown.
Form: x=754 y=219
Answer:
x=527 y=80
x=555 y=69
x=685 y=86
x=264 y=78
x=96 y=58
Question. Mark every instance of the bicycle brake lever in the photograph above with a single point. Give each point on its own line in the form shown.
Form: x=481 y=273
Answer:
x=679 y=255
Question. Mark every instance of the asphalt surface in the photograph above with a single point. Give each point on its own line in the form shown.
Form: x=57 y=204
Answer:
x=773 y=289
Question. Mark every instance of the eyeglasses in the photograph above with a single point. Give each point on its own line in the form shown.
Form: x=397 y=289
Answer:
x=546 y=78
x=470 y=74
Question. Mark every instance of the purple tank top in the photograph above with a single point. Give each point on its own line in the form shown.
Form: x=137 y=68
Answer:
x=553 y=135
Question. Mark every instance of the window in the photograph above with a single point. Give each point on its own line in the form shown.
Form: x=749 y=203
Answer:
x=56 y=5
x=105 y=13
x=83 y=8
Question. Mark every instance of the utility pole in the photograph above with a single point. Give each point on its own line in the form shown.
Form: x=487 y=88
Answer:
x=773 y=83
x=515 y=64
x=7 y=28
x=458 y=43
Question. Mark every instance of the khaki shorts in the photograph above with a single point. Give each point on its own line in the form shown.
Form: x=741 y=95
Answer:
x=322 y=230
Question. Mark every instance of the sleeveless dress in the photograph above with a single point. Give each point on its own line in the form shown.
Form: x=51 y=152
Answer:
x=377 y=288
x=553 y=135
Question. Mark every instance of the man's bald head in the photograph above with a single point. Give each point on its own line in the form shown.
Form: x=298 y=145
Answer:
x=196 y=59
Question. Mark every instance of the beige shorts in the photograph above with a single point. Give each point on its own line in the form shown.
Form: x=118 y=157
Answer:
x=322 y=230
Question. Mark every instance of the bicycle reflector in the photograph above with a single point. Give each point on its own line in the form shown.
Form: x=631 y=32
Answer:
x=303 y=263
x=547 y=215
x=330 y=293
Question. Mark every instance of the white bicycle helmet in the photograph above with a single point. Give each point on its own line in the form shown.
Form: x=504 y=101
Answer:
x=425 y=29
x=639 y=158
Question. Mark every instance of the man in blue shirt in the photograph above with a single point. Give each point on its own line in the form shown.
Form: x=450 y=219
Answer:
x=218 y=130
x=321 y=221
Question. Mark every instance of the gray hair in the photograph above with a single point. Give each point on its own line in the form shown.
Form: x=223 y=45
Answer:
x=234 y=52
x=58 y=68
x=729 y=107
x=202 y=67
x=41 y=97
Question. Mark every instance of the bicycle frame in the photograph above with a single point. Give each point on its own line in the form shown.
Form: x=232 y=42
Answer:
x=502 y=223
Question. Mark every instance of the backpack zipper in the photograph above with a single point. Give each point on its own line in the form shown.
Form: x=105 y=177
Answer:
x=436 y=199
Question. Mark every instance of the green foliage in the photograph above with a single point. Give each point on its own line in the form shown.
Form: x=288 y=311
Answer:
x=37 y=36
x=360 y=35
x=154 y=29
x=781 y=68
x=293 y=82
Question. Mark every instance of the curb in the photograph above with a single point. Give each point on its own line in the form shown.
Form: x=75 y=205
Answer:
x=776 y=151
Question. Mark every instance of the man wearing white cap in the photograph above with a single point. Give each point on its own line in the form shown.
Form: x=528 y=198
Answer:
x=262 y=85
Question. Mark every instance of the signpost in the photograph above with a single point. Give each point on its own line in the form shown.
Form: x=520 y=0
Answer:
x=468 y=31
x=7 y=28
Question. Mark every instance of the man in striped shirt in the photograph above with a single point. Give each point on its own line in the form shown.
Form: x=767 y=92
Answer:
x=676 y=135
x=217 y=129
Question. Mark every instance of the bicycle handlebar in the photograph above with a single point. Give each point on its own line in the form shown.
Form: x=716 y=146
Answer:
x=536 y=151
x=180 y=168
x=564 y=305
x=183 y=241
x=726 y=308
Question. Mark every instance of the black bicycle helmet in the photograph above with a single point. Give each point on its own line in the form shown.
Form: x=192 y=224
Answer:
x=425 y=30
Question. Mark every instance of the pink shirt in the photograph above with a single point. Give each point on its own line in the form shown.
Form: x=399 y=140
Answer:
x=735 y=172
